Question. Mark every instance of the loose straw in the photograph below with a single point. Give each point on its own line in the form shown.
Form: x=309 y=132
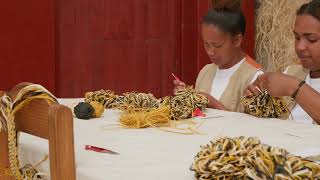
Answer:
x=274 y=38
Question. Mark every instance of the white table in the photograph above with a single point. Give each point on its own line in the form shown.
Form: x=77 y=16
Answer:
x=154 y=154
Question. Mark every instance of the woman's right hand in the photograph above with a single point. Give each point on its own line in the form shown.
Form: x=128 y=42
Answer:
x=277 y=84
x=178 y=85
x=213 y=102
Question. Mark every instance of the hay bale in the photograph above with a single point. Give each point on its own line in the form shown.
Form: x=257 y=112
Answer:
x=274 y=47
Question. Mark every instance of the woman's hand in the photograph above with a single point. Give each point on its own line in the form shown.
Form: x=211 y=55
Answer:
x=178 y=85
x=213 y=102
x=277 y=84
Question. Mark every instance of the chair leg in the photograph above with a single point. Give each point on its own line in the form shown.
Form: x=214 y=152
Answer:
x=61 y=143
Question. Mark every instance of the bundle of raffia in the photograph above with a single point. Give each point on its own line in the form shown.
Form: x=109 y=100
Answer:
x=142 y=119
x=247 y=158
x=144 y=110
x=136 y=101
x=184 y=102
x=274 y=40
x=105 y=97
x=264 y=105
x=10 y=104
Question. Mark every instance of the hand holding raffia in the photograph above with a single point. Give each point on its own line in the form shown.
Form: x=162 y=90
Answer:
x=184 y=102
x=264 y=105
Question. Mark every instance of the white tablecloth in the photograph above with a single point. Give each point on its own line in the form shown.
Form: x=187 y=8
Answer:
x=154 y=154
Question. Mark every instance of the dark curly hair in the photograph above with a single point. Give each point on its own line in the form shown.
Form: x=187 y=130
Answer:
x=227 y=16
x=312 y=8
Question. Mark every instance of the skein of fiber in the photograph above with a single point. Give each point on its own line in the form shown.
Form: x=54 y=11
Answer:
x=83 y=110
x=98 y=108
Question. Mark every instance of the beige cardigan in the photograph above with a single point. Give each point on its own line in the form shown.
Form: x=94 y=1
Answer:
x=238 y=82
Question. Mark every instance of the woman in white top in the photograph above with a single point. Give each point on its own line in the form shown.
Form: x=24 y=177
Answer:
x=278 y=84
x=231 y=71
x=307 y=46
x=298 y=113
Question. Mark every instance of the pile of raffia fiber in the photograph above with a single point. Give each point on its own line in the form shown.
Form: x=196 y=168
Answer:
x=247 y=158
x=184 y=102
x=274 y=40
x=264 y=105
x=144 y=110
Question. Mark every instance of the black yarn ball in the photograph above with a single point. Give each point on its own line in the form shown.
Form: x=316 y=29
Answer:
x=83 y=110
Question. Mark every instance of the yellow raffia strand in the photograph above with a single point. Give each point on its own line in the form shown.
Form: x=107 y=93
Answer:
x=142 y=119
x=192 y=127
x=30 y=172
x=9 y=109
x=5 y=171
x=158 y=118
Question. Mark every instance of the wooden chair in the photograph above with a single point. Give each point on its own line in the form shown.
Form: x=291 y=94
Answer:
x=53 y=122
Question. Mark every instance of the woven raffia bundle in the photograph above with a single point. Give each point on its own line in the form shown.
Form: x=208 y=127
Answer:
x=143 y=110
x=264 y=105
x=117 y=102
x=141 y=119
x=248 y=158
x=105 y=97
x=184 y=102
x=135 y=101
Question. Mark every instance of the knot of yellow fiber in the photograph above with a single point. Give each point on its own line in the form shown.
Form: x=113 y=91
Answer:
x=98 y=108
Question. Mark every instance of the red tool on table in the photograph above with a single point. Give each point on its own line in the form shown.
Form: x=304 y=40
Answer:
x=99 y=149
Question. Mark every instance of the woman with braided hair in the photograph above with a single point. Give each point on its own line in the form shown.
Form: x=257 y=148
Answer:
x=231 y=71
x=301 y=81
